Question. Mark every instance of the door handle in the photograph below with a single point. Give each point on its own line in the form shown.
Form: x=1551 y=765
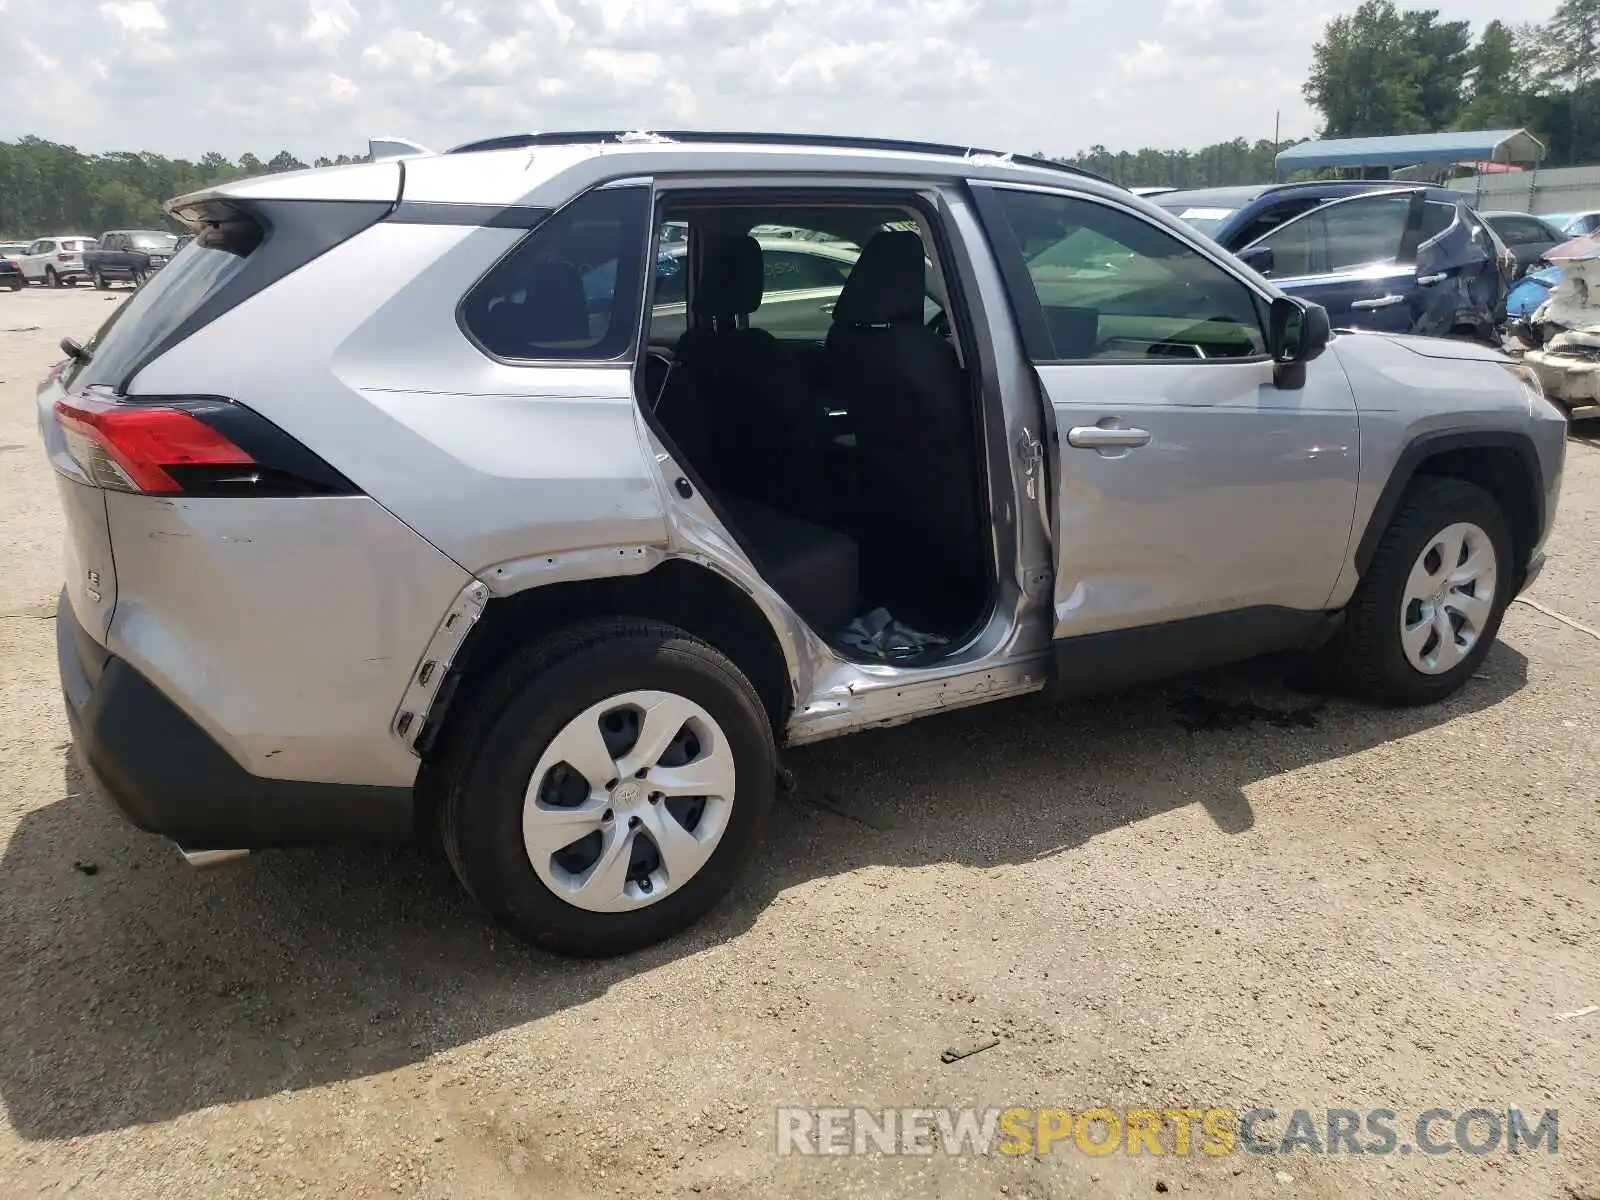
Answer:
x=1381 y=302
x=1098 y=437
x=827 y=309
x=1429 y=280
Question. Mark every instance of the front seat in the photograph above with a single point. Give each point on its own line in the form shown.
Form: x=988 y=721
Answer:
x=912 y=410
x=765 y=436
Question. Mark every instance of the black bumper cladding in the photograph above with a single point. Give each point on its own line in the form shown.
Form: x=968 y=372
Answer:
x=168 y=776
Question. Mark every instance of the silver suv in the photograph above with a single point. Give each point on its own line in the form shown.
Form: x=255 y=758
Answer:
x=430 y=494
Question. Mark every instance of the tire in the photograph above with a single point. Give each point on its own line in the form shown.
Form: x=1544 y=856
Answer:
x=101 y=282
x=516 y=726
x=136 y=278
x=16 y=285
x=1370 y=657
x=51 y=279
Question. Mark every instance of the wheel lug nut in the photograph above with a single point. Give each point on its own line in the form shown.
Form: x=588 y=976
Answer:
x=612 y=785
x=641 y=772
x=655 y=797
x=606 y=816
x=634 y=822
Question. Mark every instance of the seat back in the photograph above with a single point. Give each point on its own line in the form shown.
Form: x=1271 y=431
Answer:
x=764 y=434
x=911 y=407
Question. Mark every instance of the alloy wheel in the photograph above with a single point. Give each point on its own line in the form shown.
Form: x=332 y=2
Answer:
x=1448 y=598
x=628 y=801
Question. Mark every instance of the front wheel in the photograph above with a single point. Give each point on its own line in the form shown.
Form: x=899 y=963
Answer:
x=1430 y=604
x=101 y=282
x=51 y=279
x=607 y=786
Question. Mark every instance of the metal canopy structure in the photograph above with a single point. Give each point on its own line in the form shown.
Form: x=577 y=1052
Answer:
x=1415 y=149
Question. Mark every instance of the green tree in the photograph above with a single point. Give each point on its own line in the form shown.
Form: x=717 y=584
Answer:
x=1443 y=57
x=1364 y=73
x=1571 y=56
x=1498 y=80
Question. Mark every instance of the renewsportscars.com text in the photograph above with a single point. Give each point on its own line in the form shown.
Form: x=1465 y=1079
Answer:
x=1218 y=1131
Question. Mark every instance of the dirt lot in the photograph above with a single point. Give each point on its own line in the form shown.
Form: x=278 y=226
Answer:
x=1149 y=901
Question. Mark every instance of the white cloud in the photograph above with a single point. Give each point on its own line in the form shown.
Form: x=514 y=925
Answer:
x=318 y=76
x=136 y=16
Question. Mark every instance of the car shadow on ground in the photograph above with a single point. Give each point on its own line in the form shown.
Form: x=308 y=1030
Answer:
x=134 y=990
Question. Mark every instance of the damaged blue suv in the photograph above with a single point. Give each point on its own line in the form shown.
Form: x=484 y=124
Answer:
x=1376 y=255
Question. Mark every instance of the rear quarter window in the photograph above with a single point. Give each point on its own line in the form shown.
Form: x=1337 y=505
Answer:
x=572 y=288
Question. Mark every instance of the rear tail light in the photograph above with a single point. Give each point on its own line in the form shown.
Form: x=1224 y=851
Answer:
x=65 y=257
x=190 y=446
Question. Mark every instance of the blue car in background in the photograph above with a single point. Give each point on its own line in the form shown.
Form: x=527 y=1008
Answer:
x=1377 y=255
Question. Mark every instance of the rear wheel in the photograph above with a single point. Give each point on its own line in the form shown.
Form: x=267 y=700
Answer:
x=100 y=281
x=1430 y=604
x=51 y=279
x=607 y=786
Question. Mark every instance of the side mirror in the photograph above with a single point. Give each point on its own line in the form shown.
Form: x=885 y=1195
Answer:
x=1298 y=332
x=1258 y=259
x=74 y=349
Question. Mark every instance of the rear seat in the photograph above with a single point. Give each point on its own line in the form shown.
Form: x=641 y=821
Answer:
x=814 y=568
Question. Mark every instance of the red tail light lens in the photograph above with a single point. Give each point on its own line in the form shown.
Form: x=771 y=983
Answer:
x=65 y=257
x=134 y=447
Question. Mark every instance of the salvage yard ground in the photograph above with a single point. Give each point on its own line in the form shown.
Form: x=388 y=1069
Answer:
x=1216 y=893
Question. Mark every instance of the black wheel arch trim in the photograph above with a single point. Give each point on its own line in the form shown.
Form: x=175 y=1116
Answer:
x=1426 y=446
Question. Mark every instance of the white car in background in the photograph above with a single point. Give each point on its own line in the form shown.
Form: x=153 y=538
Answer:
x=56 y=261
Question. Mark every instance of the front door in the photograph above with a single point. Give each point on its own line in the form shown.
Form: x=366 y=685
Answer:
x=1188 y=483
x=1357 y=257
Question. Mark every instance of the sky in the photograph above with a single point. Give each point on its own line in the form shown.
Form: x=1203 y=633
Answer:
x=181 y=77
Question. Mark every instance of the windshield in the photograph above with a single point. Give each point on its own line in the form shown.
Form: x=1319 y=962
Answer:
x=1206 y=218
x=153 y=241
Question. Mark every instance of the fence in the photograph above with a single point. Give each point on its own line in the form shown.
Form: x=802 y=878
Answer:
x=1559 y=190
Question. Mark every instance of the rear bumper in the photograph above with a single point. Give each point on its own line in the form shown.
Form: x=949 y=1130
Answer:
x=168 y=776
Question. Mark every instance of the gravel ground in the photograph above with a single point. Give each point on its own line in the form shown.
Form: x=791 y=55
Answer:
x=1154 y=900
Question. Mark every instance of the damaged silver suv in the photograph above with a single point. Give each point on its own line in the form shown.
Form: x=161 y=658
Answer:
x=539 y=491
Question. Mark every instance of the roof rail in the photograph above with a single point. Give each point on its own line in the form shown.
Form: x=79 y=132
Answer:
x=517 y=141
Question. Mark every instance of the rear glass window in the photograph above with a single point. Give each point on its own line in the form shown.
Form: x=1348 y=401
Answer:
x=1436 y=218
x=164 y=302
x=153 y=241
x=571 y=288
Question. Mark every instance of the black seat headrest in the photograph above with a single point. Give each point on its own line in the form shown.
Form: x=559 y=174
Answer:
x=730 y=278
x=887 y=285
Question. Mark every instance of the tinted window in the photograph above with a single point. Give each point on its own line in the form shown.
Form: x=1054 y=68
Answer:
x=1113 y=287
x=168 y=299
x=786 y=270
x=1340 y=237
x=153 y=241
x=1521 y=231
x=570 y=289
x=1436 y=218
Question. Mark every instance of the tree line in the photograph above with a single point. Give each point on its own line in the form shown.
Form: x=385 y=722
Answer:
x=1379 y=70
x=46 y=187
x=1383 y=70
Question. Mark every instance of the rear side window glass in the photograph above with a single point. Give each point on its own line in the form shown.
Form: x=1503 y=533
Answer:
x=1436 y=218
x=571 y=288
x=165 y=301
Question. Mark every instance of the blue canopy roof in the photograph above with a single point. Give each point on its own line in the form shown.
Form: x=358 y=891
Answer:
x=1414 y=149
